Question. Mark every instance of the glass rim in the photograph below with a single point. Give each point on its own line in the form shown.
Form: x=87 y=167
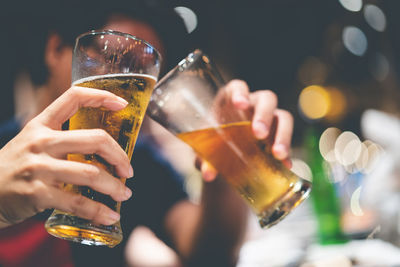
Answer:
x=190 y=59
x=123 y=34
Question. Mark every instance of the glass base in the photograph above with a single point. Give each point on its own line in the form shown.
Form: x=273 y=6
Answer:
x=72 y=228
x=275 y=213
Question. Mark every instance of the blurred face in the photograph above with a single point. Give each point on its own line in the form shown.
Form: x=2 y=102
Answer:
x=59 y=59
x=136 y=28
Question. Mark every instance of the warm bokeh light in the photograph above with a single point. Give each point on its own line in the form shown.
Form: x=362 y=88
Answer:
x=354 y=40
x=338 y=108
x=352 y=5
x=301 y=168
x=314 y=102
x=317 y=102
x=355 y=203
x=362 y=160
x=188 y=16
x=347 y=148
x=375 y=153
x=375 y=17
x=312 y=71
x=327 y=143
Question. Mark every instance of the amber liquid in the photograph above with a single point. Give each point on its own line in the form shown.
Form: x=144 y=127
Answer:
x=244 y=162
x=123 y=126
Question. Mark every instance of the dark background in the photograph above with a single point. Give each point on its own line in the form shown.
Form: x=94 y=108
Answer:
x=267 y=42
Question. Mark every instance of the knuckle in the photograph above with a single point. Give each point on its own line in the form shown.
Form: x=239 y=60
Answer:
x=91 y=172
x=39 y=140
x=286 y=114
x=31 y=166
x=74 y=92
x=98 y=211
x=77 y=202
x=101 y=136
x=236 y=83
x=38 y=194
x=271 y=96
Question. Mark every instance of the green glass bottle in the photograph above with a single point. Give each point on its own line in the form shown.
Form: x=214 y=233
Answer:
x=325 y=201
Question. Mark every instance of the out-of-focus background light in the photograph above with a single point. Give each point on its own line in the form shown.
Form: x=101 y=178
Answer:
x=355 y=40
x=188 y=16
x=375 y=17
x=355 y=202
x=352 y=5
x=317 y=102
x=314 y=102
x=327 y=144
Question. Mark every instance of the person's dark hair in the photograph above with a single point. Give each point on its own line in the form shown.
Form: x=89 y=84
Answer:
x=32 y=25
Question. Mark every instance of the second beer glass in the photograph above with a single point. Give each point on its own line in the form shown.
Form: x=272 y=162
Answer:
x=128 y=67
x=189 y=103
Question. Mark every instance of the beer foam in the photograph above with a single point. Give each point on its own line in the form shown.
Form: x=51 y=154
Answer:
x=112 y=75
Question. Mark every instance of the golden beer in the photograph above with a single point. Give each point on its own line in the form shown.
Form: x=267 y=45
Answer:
x=248 y=165
x=123 y=126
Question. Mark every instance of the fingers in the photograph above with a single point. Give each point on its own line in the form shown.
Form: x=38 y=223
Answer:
x=71 y=172
x=264 y=104
x=82 y=207
x=208 y=172
x=238 y=92
x=92 y=141
x=68 y=103
x=283 y=135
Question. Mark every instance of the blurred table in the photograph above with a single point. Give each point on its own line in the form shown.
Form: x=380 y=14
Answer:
x=293 y=243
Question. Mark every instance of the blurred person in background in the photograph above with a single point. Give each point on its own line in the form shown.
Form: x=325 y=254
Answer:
x=208 y=234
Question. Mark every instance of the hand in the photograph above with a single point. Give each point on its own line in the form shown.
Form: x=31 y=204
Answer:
x=267 y=121
x=33 y=165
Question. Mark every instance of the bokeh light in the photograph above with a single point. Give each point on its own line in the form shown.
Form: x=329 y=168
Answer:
x=338 y=106
x=362 y=160
x=314 y=102
x=317 y=102
x=375 y=17
x=188 y=16
x=327 y=143
x=347 y=148
x=355 y=206
x=351 y=5
x=354 y=40
x=375 y=153
x=312 y=71
x=379 y=67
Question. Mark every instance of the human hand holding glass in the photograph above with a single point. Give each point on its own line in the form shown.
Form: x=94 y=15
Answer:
x=33 y=164
x=189 y=103
x=128 y=67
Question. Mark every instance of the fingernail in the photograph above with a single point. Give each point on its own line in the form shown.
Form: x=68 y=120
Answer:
x=128 y=193
x=117 y=104
x=280 y=151
x=208 y=172
x=130 y=171
x=122 y=101
x=260 y=129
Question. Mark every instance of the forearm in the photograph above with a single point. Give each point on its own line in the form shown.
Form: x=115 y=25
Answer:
x=210 y=234
x=220 y=232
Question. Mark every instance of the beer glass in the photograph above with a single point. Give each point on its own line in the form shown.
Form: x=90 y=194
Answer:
x=128 y=67
x=188 y=102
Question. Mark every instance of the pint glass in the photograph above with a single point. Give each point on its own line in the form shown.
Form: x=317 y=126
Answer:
x=128 y=67
x=188 y=102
